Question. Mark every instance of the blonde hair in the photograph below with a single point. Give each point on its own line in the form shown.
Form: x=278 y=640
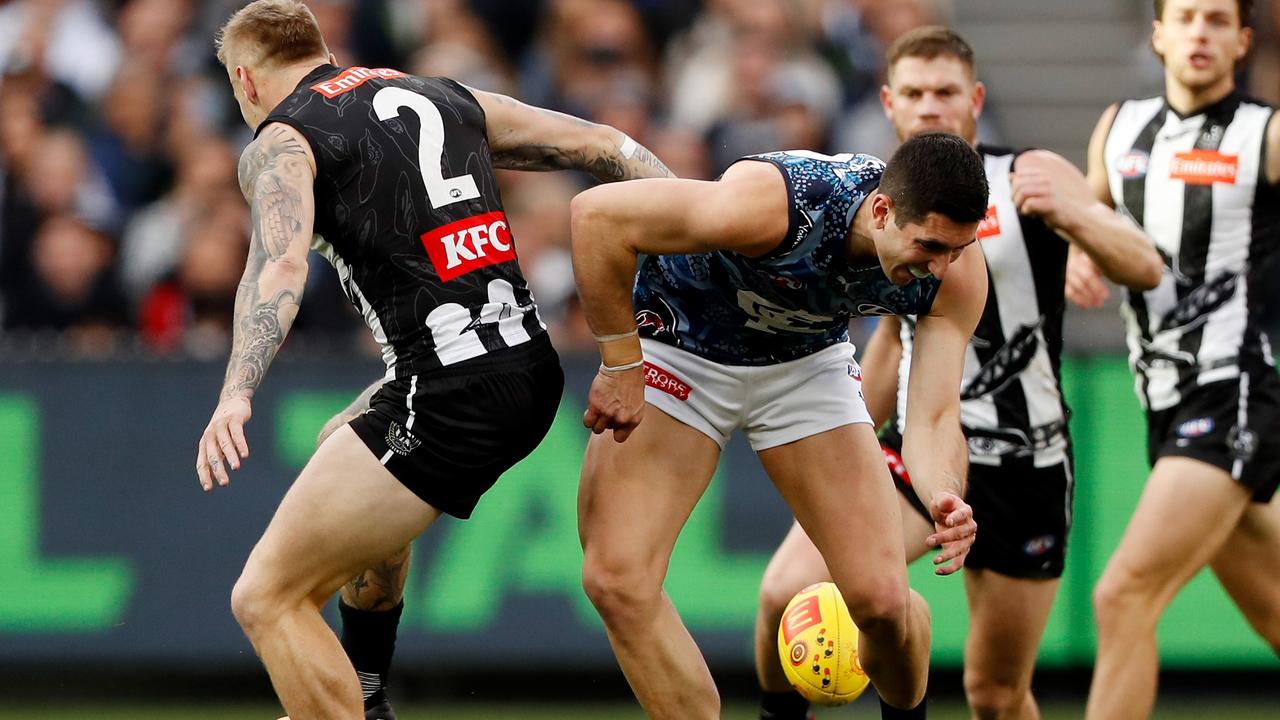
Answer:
x=272 y=32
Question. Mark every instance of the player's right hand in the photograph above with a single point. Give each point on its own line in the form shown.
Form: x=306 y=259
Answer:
x=615 y=402
x=954 y=531
x=1085 y=287
x=223 y=439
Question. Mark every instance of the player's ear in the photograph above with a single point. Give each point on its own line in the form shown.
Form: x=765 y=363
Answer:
x=1246 y=41
x=886 y=101
x=1157 y=37
x=881 y=204
x=979 y=98
x=246 y=82
x=333 y=59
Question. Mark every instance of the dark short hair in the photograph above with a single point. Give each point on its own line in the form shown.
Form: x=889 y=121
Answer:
x=929 y=42
x=1244 y=6
x=936 y=173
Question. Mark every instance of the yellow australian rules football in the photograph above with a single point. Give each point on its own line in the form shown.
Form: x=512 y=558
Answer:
x=818 y=645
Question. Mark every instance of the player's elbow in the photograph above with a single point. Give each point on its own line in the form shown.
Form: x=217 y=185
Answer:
x=588 y=220
x=1141 y=274
x=1149 y=273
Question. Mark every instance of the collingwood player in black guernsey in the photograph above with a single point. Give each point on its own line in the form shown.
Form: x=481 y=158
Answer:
x=391 y=178
x=1198 y=170
x=1020 y=478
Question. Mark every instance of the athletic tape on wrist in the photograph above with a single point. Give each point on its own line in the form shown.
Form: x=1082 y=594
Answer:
x=617 y=336
x=610 y=369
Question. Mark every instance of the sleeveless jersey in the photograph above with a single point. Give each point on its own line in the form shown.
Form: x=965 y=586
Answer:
x=408 y=213
x=791 y=302
x=1011 y=399
x=1197 y=186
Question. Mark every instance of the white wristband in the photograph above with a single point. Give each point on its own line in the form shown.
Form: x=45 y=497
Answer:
x=617 y=336
x=610 y=369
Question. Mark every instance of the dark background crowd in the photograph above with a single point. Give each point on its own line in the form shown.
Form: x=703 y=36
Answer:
x=122 y=229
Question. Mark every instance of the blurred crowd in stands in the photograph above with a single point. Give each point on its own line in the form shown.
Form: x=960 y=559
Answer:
x=121 y=224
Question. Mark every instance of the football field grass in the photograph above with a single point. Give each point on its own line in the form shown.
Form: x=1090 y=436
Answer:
x=1181 y=709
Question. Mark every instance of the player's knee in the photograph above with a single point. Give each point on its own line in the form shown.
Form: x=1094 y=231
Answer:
x=1122 y=597
x=880 y=609
x=253 y=603
x=777 y=587
x=992 y=698
x=620 y=591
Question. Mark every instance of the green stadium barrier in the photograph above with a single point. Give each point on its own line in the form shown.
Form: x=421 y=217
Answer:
x=108 y=552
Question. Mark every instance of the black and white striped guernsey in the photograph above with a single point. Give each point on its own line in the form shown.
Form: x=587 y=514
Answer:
x=1197 y=186
x=1011 y=401
x=409 y=214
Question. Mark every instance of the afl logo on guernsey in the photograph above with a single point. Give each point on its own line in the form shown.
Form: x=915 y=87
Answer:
x=1133 y=164
x=352 y=78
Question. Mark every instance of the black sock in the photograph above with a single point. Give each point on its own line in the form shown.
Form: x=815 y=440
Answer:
x=889 y=712
x=789 y=705
x=369 y=637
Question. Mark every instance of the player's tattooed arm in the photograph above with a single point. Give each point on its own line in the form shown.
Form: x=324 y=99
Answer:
x=276 y=175
x=523 y=137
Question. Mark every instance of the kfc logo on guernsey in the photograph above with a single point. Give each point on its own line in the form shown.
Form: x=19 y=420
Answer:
x=1204 y=167
x=352 y=78
x=478 y=241
x=662 y=379
x=990 y=224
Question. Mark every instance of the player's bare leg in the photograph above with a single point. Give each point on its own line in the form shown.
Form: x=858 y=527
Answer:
x=1186 y=513
x=837 y=485
x=1007 y=617
x=371 y=602
x=795 y=565
x=1248 y=566
x=633 y=500
x=343 y=514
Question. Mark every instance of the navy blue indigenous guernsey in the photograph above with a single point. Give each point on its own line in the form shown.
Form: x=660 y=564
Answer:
x=792 y=302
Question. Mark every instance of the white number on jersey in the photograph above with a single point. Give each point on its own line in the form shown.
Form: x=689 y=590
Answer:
x=455 y=333
x=770 y=318
x=441 y=191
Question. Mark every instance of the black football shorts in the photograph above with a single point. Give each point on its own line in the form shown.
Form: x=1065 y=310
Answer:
x=1231 y=424
x=449 y=434
x=1023 y=513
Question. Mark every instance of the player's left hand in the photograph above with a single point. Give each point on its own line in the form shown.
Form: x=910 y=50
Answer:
x=1047 y=186
x=223 y=439
x=955 y=531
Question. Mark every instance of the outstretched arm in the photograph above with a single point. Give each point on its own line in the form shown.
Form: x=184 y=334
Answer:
x=933 y=446
x=277 y=173
x=524 y=137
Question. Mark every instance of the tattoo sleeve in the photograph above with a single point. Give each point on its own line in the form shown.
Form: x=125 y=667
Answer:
x=604 y=152
x=276 y=179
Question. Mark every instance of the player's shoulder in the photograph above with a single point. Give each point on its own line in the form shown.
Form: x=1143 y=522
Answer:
x=813 y=163
x=1145 y=107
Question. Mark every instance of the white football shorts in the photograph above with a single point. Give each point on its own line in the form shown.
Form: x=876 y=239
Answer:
x=772 y=404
